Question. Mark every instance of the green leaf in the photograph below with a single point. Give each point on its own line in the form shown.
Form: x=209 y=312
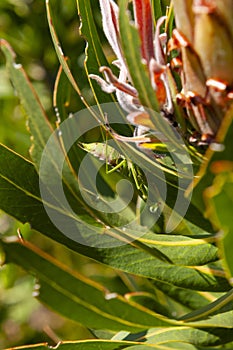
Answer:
x=178 y=337
x=20 y=197
x=131 y=48
x=140 y=76
x=187 y=335
x=189 y=298
x=213 y=189
x=37 y=121
x=217 y=314
x=82 y=300
x=61 y=56
x=182 y=250
x=219 y=151
x=20 y=194
x=157 y=9
x=77 y=297
x=61 y=95
x=219 y=201
x=221 y=320
x=95 y=57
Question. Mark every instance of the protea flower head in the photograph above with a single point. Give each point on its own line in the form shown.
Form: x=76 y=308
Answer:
x=204 y=97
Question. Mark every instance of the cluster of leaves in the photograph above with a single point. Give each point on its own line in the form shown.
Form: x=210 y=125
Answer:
x=175 y=290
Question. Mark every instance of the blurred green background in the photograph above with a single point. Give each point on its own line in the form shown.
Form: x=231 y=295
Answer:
x=23 y=24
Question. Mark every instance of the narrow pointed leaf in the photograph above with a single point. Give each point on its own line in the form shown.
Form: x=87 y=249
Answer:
x=61 y=95
x=189 y=298
x=219 y=202
x=95 y=57
x=61 y=56
x=131 y=47
x=77 y=297
x=38 y=123
x=157 y=9
x=214 y=311
x=188 y=335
